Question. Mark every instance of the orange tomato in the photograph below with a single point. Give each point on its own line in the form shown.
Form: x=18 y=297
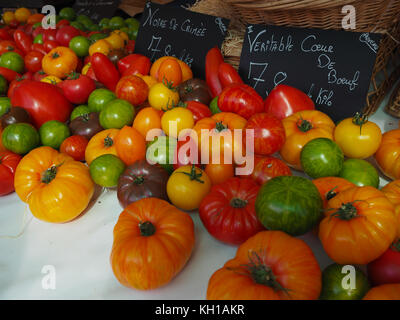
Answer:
x=115 y=40
x=22 y=14
x=101 y=143
x=170 y=71
x=219 y=173
x=159 y=70
x=384 y=292
x=130 y=145
x=329 y=187
x=147 y=119
x=56 y=187
x=388 y=154
x=60 y=62
x=300 y=128
x=8 y=16
x=392 y=192
x=150 y=81
x=34 y=18
x=102 y=46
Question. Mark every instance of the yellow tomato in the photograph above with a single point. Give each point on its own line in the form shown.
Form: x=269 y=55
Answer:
x=115 y=41
x=162 y=97
x=101 y=46
x=175 y=120
x=8 y=17
x=187 y=186
x=357 y=137
x=51 y=79
x=22 y=14
x=86 y=68
x=122 y=34
x=150 y=81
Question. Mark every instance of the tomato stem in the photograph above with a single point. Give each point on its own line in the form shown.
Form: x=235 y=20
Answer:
x=188 y=88
x=193 y=175
x=238 y=203
x=108 y=142
x=49 y=174
x=220 y=126
x=304 y=125
x=396 y=245
x=55 y=55
x=359 y=119
x=147 y=229
x=347 y=211
x=331 y=194
x=138 y=180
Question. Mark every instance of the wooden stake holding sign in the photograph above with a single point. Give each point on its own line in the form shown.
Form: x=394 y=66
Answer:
x=333 y=67
x=174 y=31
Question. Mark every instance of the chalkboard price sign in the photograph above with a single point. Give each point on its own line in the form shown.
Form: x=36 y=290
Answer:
x=333 y=67
x=174 y=31
x=96 y=9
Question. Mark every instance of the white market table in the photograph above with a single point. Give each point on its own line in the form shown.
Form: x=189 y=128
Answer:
x=79 y=252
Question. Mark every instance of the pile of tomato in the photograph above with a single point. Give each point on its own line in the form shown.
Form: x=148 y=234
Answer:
x=80 y=109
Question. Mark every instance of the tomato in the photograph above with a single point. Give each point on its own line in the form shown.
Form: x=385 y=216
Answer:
x=358 y=137
x=116 y=41
x=34 y=18
x=60 y=62
x=240 y=99
x=80 y=45
x=51 y=79
x=62 y=23
x=39 y=75
x=101 y=143
x=214 y=59
x=187 y=186
x=147 y=119
x=43 y=101
x=13 y=85
x=266 y=168
x=86 y=125
x=300 y=128
x=134 y=63
x=384 y=292
x=4 y=35
x=15 y=115
x=219 y=172
x=77 y=87
x=8 y=164
x=106 y=169
x=33 y=61
x=50 y=45
x=150 y=81
x=170 y=70
x=132 y=89
x=283 y=101
x=67 y=13
x=99 y=98
x=388 y=154
x=105 y=70
x=22 y=14
x=161 y=150
x=75 y=147
x=162 y=96
x=289 y=203
x=79 y=111
x=346 y=237
x=3 y=85
x=9 y=46
x=198 y=110
x=392 y=192
x=5 y=105
x=23 y=41
x=360 y=172
x=116 y=114
x=321 y=157
x=49 y=34
x=195 y=90
x=174 y=121
x=13 y=61
x=100 y=46
x=20 y=138
x=130 y=145
x=269 y=134
x=53 y=133
x=228 y=211
x=329 y=187
x=332 y=283
x=65 y=34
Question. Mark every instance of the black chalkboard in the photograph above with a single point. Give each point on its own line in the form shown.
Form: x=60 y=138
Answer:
x=174 y=31
x=333 y=67
x=96 y=9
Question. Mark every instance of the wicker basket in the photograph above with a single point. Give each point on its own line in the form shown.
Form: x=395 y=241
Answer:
x=393 y=107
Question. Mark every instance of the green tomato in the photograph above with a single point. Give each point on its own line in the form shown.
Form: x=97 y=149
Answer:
x=214 y=106
x=116 y=23
x=13 y=61
x=53 y=133
x=67 y=13
x=132 y=33
x=3 y=85
x=321 y=157
x=104 y=23
x=161 y=151
x=5 y=105
x=337 y=285
x=116 y=114
x=99 y=98
x=94 y=27
x=106 y=170
x=77 y=25
x=80 y=45
x=133 y=23
x=20 y=138
x=38 y=39
x=360 y=172
x=97 y=36
x=79 y=111
x=83 y=19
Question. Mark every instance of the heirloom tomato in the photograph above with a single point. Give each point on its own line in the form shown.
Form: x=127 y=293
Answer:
x=147 y=119
x=163 y=96
x=198 y=110
x=20 y=138
x=99 y=98
x=33 y=61
x=12 y=61
x=8 y=164
x=75 y=147
x=219 y=172
x=14 y=115
x=101 y=143
x=388 y=154
x=65 y=34
x=133 y=64
x=86 y=125
x=392 y=192
x=77 y=87
x=170 y=69
x=195 y=90
x=104 y=70
x=56 y=187
x=53 y=133
x=116 y=114
x=360 y=172
x=384 y=292
x=133 y=89
x=106 y=169
x=266 y=168
x=130 y=145
x=175 y=120
x=228 y=212
x=101 y=46
x=60 y=62
x=329 y=187
x=300 y=128
x=270 y=265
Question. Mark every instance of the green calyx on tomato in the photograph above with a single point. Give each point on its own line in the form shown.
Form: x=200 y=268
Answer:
x=49 y=174
x=193 y=175
x=147 y=229
x=359 y=119
x=220 y=126
x=108 y=142
x=304 y=125
x=347 y=211
x=396 y=245
x=238 y=203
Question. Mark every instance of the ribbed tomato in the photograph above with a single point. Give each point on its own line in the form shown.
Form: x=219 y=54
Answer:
x=8 y=164
x=329 y=187
x=388 y=154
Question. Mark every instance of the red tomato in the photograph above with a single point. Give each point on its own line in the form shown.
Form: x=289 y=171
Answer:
x=199 y=110
x=33 y=61
x=386 y=269
x=8 y=164
x=65 y=34
x=62 y=23
x=133 y=89
x=134 y=63
x=39 y=47
x=130 y=46
x=13 y=85
x=8 y=45
x=77 y=88
x=9 y=74
x=214 y=59
x=23 y=41
x=39 y=75
x=49 y=34
x=37 y=31
x=266 y=168
x=284 y=100
x=269 y=133
x=4 y=35
x=50 y=45
x=75 y=147
x=105 y=71
x=240 y=99
x=228 y=212
x=43 y=101
x=228 y=75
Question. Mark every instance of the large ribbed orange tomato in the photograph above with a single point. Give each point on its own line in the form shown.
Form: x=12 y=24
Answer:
x=360 y=226
x=269 y=266
x=388 y=154
x=300 y=128
x=101 y=143
x=384 y=292
x=56 y=187
x=329 y=187
x=153 y=240
x=392 y=192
